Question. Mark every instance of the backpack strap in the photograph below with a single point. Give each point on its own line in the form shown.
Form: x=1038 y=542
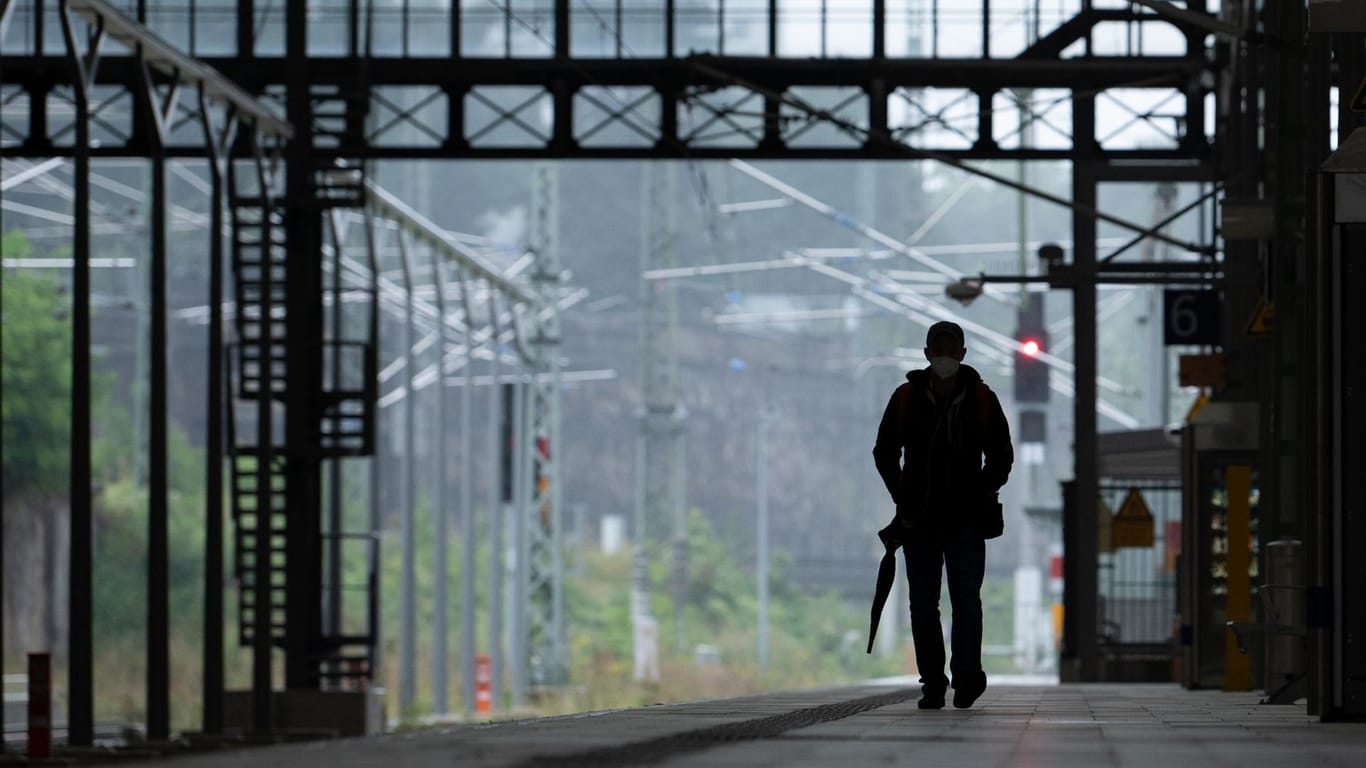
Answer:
x=983 y=407
x=907 y=405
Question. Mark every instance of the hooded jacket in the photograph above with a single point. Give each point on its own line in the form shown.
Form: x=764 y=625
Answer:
x=954 y=457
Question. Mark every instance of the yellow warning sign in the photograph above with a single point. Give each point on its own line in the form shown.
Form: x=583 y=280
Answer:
x=1201 y=401
x=1263 y=319
x=1133 y=524
x=1358 y=103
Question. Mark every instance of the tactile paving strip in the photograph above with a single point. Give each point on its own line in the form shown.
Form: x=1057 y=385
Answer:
x=665 y=747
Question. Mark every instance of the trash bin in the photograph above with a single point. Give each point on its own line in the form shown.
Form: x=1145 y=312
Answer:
x=1283 y=603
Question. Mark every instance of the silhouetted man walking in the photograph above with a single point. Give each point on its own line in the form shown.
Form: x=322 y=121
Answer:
x=957 y=456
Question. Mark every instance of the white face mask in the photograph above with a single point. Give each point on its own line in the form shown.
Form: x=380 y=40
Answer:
x=944 y=367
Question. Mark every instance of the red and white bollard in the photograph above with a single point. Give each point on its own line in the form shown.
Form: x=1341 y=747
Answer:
x=483 y=684
x=39 y=706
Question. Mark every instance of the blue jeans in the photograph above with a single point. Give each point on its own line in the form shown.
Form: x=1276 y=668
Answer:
x=927 y=553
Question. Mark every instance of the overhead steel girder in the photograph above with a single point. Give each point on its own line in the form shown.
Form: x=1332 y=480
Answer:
x=673 y=84
x=186 y=70
x=976 y=74
x=386 y=205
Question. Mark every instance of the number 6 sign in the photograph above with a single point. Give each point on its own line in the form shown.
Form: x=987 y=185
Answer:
x=1191 y=317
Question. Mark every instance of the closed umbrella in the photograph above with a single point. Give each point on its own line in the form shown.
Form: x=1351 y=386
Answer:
x=886 y=575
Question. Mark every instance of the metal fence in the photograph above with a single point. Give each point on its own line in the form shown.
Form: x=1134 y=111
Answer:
x=1137 y=585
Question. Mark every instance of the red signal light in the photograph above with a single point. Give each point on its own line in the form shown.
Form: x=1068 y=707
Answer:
x=1030 y=347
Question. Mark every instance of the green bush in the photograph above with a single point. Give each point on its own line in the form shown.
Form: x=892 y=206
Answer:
x=36 y=376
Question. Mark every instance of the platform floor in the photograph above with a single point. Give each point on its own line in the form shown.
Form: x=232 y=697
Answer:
x=1046 y=726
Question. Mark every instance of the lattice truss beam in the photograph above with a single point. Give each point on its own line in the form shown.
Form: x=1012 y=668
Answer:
x=586 y=86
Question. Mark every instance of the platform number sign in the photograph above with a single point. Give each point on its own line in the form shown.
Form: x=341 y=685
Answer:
x=1191 y=317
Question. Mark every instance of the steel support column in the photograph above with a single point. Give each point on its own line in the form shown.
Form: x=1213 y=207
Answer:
x=158 y=585
x=1321 y=333
x=670 y=26
x=376 y=522
x=246 y=26
x=333 y=622
x=80 y=648
x=303 y=379
x=1316 y=348
x=219 y=142
x=1296 y=430
x=561 y=11
x=3 y=749
x=262 y=675
x=1084 y=404
x=879 y=29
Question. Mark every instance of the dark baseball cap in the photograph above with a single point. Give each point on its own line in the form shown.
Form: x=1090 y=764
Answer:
x=944 y=327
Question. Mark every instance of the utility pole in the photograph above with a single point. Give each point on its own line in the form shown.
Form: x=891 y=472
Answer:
x=761 y=535
x=440 y=513
x=495 y=510
x=1033 y=458
x=407 y=647
x=659 y=447
x=541 y=631
x=468 y=543
x=516 y=596
x=1024 y=97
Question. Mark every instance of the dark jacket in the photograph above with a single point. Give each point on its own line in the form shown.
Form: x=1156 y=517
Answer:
x=955 y=455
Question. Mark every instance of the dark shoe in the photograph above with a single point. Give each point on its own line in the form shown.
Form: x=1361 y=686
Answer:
x=931 y=700
x=964 y=695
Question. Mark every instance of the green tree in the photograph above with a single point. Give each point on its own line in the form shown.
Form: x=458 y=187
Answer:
x=36 y=376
